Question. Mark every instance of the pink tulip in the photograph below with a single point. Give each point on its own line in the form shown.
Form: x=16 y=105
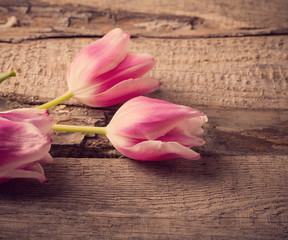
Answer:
x=153 y=130
x=24 y=143
x=105 y=73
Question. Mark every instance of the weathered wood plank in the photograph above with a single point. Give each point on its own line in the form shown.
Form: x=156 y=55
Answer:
x=23 y=34
x=44 y=19
x=215 y=198
x=238 y=190
x=229 y=132
x=225 y=14
x=230 y=72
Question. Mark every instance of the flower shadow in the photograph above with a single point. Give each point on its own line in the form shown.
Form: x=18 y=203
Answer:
x=81 y=176
x=205 y=169
x=19 y=190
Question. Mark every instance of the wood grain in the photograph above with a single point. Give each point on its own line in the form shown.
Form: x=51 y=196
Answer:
x=230 y=72
x=194 y=18
x=166 y=18
x=223 y=13
x=229 y=132
x=227 y=58
x=214 y=198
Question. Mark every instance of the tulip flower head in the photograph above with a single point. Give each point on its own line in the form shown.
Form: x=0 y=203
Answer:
x=152 y=130
x=105 y=73
x=24 y=143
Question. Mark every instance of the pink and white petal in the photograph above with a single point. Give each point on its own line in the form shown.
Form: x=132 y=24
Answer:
x=193 y=126
x=158 y=151
x=38 y=117
x=97 y=58
x=186 y=132
x=21 y=143
x=121 y=92
x=135 y=59
x=133 y=66
x=154 y=110
x=46 y=159
x=114 y=33
x=103 y=54
x=124 y=142
x=9 y=174
x=187 y=141
x=147 y=104
x=149 y=119
x=36 y=168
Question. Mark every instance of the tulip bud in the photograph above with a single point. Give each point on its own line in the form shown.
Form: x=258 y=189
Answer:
x=104 y=73
x=24 y=143
x=153 y=130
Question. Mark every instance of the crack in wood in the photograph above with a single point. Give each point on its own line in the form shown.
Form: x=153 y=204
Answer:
x=68 y=21
x=59 y=34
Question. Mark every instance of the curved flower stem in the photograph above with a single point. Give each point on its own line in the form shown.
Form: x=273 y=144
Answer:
x=56 y=101
x=6 y=75
x=83 y=129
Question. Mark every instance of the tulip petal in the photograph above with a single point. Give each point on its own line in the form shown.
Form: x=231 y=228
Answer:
x=147 y=118
x=157 y=151
x=38 y=117
x=187 y=141
x=36 y=168
x=35 y=172
x=186 y=132
x=151 y=129
x=46 y=159
x=193 y=126
x=21 y=143
x=97 y=58
x=121 y=92
x=133 y=66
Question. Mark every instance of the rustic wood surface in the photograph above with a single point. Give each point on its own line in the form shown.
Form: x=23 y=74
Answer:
x=226 y=58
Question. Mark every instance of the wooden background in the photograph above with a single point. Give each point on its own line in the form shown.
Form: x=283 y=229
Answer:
x=228 y=58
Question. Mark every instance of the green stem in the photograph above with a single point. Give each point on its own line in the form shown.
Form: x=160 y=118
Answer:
x=82 y=129
x=6 y=75
x=56 y=101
